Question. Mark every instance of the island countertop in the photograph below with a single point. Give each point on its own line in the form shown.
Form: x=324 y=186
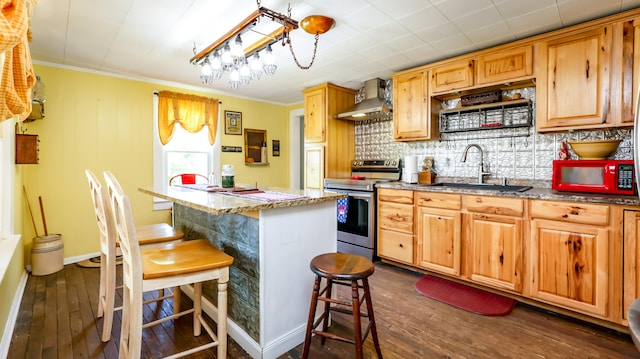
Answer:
x=229 y=202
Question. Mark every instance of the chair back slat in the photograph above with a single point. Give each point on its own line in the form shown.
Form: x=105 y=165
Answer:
x=125 y=233
x=102 y=211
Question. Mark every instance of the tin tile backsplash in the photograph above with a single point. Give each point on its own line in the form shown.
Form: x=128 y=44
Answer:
x=512 y=153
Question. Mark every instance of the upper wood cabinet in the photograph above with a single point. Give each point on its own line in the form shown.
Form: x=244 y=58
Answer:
x=315 y=115
x=574 y=81
x=452 y=76
x=506 y=65
x=412 y=110
x=331 y=142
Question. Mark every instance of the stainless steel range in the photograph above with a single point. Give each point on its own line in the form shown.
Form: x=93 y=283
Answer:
x=356 y=214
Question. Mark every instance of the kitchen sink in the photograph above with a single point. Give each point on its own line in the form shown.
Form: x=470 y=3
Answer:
x=486 y=187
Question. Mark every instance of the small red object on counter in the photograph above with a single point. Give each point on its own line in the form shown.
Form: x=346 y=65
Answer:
x=357 y=177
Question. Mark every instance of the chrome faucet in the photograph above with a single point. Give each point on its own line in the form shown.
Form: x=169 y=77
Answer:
x=481 y=172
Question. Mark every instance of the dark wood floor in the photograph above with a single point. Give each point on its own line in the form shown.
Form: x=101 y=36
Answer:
x=57 y=319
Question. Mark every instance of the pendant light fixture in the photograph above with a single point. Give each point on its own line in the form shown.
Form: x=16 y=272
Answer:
x=243 y=64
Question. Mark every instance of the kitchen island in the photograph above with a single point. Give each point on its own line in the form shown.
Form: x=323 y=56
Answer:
x=272 y=236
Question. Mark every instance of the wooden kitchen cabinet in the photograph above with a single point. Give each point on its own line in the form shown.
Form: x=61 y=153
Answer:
x=438 y=232
x=322 y=130
x=314 y=167
x=452 y=76
x=413 y=116
x=395 y=225
x=574 y=81
x=505 y=65
x=569 y=255
x=631 y=253
x=493 y=235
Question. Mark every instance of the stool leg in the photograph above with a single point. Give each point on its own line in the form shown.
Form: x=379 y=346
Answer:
x=197 y=308
x=327 y=307
x=311 y=319
x=374 y=331
x=222 y=317
x=357 y=330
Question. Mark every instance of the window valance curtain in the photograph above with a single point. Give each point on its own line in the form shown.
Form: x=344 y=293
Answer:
x=191 y=111
x=17 y=76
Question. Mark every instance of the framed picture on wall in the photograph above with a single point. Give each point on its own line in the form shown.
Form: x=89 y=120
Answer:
x=232 y=123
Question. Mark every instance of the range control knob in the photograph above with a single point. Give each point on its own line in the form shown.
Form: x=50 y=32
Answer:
x=393 y=163
x=386 y=163
x=360 y=163
x=354 y=163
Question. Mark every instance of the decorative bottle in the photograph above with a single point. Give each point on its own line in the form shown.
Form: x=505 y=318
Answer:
x=263 y=153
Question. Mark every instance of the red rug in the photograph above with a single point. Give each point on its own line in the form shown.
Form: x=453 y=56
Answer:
x=464 y=297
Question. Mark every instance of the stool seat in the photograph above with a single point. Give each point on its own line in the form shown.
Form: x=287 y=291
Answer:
x=347 y=270
x=341 y=266
x=182 y=258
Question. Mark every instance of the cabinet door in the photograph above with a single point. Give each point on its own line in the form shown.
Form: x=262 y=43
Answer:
x=631 y=259
x=494 y=251
x=395 y=246
x=569 y=265
x=506 y=65
x=314 y=167
x=574 y=82
x=438 y=240
x=412 y=120
x=452 y=76
x=315 y=124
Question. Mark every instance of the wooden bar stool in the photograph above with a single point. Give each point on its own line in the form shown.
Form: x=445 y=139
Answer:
x=148 y=235
x=163 y=267
x=341 y=269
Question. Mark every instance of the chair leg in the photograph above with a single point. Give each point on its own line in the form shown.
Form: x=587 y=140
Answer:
x=108 y=267
x=311 y=319
x=222 y=319
x=103 y=284
x=374 y=331
x=327 y=307
x=357 y=329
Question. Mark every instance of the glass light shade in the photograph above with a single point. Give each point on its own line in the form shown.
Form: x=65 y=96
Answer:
x=245 y=72
x=227 y=58
x=234 y=79
x=205 y=73
x=216 y=66
x=255 y=66
x=269 y=62
x=237 y=52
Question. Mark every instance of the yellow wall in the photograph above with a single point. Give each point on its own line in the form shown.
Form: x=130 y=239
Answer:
x=104 y=123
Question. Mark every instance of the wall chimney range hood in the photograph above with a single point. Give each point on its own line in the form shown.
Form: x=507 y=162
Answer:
x=374 y=105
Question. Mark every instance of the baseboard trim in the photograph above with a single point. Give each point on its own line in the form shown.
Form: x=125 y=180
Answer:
x=13 y=316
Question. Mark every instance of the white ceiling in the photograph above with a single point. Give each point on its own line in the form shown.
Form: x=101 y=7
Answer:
x=154 y=39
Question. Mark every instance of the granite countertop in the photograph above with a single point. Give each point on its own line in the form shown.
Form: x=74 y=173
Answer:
x=533 y=193
x=224 y=203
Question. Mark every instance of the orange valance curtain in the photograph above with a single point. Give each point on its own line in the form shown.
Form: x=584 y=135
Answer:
x=17 y=76
x=191 y=111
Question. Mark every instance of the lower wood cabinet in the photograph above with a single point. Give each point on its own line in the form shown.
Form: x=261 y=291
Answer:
x=438 y=232
x=631 y=259
x=494 y=235
x=395 y=225
x=569 y=255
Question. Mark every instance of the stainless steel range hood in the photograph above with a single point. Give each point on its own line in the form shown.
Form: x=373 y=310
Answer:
x=373 y=106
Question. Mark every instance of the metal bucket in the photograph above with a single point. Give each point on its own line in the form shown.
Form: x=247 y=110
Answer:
x=47 y=254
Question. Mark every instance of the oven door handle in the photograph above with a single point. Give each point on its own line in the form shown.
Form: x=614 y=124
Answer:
x=358 y=195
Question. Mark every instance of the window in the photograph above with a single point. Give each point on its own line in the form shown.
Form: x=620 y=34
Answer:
x=185 y=153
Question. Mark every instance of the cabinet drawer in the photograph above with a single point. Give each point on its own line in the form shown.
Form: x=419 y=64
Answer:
x=438 y=200
x=494 y=205
x=396 y=246
x=571 y=212
x=395 y=195
x=395 y=216
x=455 y=75
x=505 y=65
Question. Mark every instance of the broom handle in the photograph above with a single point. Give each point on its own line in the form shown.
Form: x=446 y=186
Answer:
x=44 y=223
x=26 y=198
